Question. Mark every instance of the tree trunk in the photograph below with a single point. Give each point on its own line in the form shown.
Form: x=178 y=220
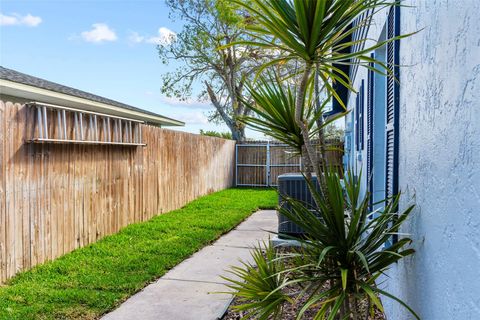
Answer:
x=238 y=134
x=354 y=307
x=237 y=129
x=302 y=123
x=321 y=131
x=299 y=104
x=307 y=166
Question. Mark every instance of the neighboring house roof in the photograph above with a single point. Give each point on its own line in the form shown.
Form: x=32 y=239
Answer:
x=22 y=85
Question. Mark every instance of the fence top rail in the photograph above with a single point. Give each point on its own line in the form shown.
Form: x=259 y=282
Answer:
x=254 y=145
x=263 y=143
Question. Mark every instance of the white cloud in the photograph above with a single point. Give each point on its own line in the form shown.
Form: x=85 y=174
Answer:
x=31 y=21
x=164 y=37
x=19 y=20
x=192 y=117
x=189 y=103
x=135 y=37
x=101 y=32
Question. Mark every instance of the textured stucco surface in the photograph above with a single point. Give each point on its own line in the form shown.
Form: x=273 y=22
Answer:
x=439 y=164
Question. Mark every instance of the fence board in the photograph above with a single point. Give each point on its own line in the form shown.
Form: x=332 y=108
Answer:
x=3 y=212
x=55 y=198
x=259 y=163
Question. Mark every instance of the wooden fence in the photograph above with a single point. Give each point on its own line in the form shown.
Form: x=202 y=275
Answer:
x=259 y=163
x=55 y=198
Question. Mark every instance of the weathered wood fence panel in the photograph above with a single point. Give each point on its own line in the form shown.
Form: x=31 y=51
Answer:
x=55 y=198
x=259 y=163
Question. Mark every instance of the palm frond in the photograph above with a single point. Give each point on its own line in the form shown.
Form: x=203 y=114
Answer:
x=273 y=107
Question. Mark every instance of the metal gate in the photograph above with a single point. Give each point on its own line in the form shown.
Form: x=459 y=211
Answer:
x=259 y=164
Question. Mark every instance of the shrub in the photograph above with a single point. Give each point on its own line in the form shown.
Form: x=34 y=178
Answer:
x=347 y=247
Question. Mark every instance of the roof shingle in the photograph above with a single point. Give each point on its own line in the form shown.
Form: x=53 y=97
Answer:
x=18 y=77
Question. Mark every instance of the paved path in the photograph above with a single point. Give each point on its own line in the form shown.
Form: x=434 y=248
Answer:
x=186 y=291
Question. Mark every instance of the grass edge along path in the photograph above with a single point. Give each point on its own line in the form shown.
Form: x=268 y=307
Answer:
x=93 y=280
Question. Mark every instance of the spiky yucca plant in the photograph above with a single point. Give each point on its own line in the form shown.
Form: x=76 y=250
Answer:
x=344 y=250
x=255 y=284
x=273 y=107
x=314 y=33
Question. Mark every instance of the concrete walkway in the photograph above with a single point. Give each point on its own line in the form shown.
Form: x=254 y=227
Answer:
x=187 y=291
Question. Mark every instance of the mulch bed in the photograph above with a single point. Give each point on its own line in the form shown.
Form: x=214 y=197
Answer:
x=290 y=310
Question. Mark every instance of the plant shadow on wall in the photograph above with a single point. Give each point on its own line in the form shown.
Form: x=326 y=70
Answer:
x=335 y=268
x=347 y=246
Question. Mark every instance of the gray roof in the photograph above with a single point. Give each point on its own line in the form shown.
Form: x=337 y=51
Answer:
x=15 y=76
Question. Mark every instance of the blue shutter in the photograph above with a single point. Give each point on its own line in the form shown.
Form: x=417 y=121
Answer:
x=357 y=123
x=340 y=69
x=361 y=26
x=359 y=127
x=362 y=112
x=392 y=108
x=370 y=95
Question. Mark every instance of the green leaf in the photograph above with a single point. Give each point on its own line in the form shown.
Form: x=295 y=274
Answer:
x=338 y=303
x=344 y=273
x=372 y=296
x=398 y=300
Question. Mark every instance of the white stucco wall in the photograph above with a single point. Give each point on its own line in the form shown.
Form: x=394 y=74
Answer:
x=440 y=160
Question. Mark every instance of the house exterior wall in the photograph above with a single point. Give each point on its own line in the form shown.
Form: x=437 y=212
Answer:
x=439 y=159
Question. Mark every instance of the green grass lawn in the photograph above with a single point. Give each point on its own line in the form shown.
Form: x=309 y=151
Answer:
x=93 y=280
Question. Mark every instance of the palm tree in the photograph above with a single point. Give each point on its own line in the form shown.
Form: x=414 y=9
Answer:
x=344 y=249
x=314 y=33
x=272 y=105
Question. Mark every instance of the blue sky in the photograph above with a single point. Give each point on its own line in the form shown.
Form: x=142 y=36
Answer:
x=105 y=47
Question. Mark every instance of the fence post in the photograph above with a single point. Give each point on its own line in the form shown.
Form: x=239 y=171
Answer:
x=267 y=168
x=236 y=164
